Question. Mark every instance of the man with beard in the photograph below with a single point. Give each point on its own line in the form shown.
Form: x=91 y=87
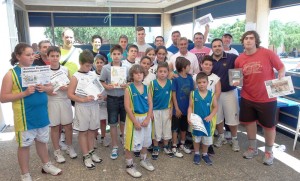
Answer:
x=42 y=58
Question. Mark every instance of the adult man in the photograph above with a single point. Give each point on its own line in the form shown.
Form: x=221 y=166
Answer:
x=96 y=44
x=183 y=52
x=160 y=41
x=123 y=42
x=69 y=54
x=142 y=45
x=258 y=65
x=227 y=41
x=200 y=50
x=228 y=101
x=175 y=36
x=42 y=59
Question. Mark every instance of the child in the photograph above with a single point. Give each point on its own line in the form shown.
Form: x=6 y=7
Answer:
x=59 y=108
x=138 y=105
x=181 y=89
x=161 y=56
x=30 y=112
x=214 y=85
x=204 y=104
x=86 y=109
x=145 y=63
x=150 y=52
x=161 y=90
x=99 y=62
x=115 y=98
x=131 y=56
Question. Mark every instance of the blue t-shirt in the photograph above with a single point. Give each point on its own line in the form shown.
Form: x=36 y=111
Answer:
x=182 y=87
x=161 y=95
x=202 y=107
x=221 y=67
x=175 y=49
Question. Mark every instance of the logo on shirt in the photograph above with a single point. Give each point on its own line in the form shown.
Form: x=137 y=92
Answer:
x=196 y=99
x=167 y=92
x=207 y=104
x=224 y=64
x=134 y=94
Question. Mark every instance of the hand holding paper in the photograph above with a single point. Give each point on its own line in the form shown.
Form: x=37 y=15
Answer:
x=197 y=123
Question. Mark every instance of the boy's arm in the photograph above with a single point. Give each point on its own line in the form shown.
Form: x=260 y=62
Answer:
x=103 y=78
x=6 y=90
x=214 y=110
x=71 y=92
x=129 y=110
x=150 y=111
x=175 y=103
x=218 y=90
x=190 y=109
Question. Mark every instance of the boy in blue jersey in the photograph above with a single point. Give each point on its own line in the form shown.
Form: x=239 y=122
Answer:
x=138 y=106
x=204 y=104
x=181 y=89
x=161 y=90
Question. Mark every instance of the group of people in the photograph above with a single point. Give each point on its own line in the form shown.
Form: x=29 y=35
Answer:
x=165 y=87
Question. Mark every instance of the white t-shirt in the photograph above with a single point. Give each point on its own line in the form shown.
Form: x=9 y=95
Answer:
x=128 y=64
x=149 y=78
x=233 y=51
x=59 y=94
x=142 y=50
x=212 y=81
x=191 y=57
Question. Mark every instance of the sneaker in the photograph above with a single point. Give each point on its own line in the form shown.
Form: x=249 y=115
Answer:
x=210 y=151
x=63 y=146
x=26 y=177
x=59 y=158
x=197 y=159
x=95 y=157
x=221 y=141
x=88 y=162
x=169 y=152
x=235 y=145
x=176 y=152
x=207 y=159
x=250 y=153
x=137 y=153
x=150 y=148
x=131 y=170
x=51 y=169
x=114 y=153
x=268 y=158
x=71 y=152
x=155 y=154
x=185 y=148
x=147 y=164
x=106 y=141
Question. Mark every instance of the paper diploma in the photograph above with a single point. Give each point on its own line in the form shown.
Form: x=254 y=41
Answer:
x=276 y=88
x=203 y=20
x=198 y=124
x=35 y=75
x=83 y=82
x=94 y=88
x=118 y=76
x=59 y=79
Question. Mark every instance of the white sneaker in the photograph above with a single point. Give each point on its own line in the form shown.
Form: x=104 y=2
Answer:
x=131 y=170
x=95 y=157
x=221 y=141
x=26 y=177
x=147 y=164
x=51 y=169
x=106 y=141
x=88 y=162
x=185 y=149
x=235 y=145
x=114 y=153
x=71 y=152
x=59 y=158
x=63 y=146
x=176 y=152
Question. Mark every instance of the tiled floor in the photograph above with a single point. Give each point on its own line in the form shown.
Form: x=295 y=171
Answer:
x=227 y=165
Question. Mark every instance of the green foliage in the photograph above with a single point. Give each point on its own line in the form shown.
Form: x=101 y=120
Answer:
x=83 y=34
x=291 y=36
x=276 y=34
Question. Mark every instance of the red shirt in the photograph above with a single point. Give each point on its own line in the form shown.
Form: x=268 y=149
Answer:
x=257 y=68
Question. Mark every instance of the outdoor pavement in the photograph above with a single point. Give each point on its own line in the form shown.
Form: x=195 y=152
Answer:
x=227 y=165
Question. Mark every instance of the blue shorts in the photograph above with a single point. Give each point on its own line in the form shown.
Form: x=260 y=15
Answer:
x=115 y=107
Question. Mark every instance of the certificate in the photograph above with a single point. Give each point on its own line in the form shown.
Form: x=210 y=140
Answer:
x=35 y=75
x=94 y=88
x=205 y=19
x=59 y=79
x=198 y=124
x=118 y=76
x=235 y=76
x=276 y=87
x=83 y=82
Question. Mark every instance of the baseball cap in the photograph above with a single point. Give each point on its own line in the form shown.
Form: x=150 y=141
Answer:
x=227 y=34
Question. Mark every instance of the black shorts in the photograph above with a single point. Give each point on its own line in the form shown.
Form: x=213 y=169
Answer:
x=179 y=124
x=263 y=112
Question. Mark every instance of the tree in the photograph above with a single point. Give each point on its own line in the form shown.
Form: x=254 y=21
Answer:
x=276 y=33
x=83 y=34
x=291 y=36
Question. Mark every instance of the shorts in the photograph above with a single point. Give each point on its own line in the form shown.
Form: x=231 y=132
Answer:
x=103 y=110
x=26 y=138
x=228 y=108
x=87 y=117
x=206 y=140
x=179 y=124
x=115 y=107
x=60 y=112
x=263 y=112
x=135 y=140
x=162 y=125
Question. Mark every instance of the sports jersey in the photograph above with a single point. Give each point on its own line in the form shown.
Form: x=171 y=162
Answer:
x=161 y=95
x=138 y=101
